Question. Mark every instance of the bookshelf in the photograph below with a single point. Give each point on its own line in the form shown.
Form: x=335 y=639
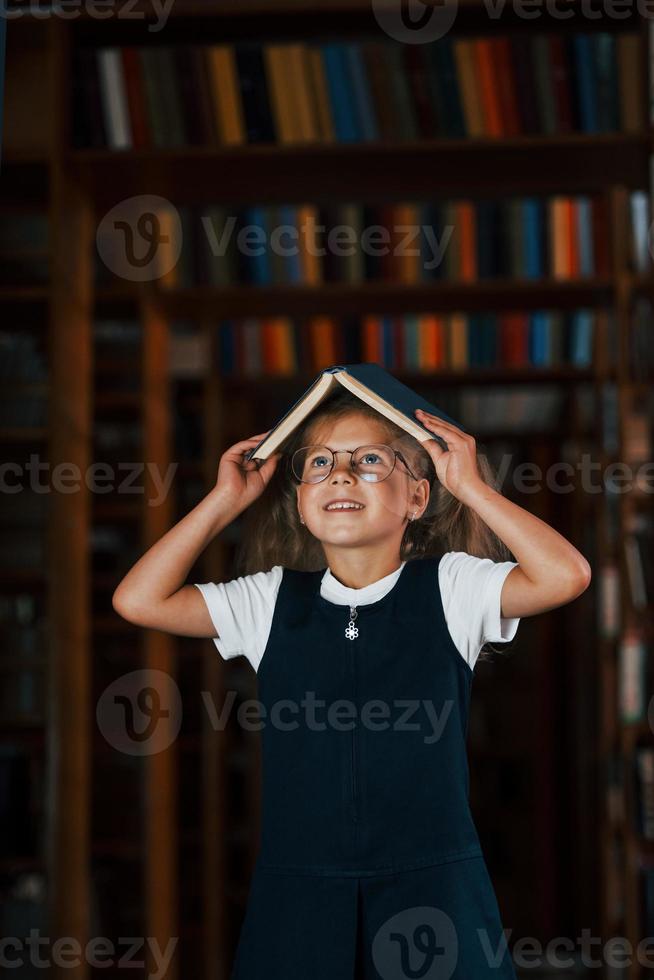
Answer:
x=161 y=845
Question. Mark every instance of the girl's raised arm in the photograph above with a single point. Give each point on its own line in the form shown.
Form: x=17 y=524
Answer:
x=153 y=593
x=551 y=571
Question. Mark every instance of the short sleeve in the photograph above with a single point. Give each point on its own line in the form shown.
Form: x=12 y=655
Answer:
x=471 y=589
x=241 y=611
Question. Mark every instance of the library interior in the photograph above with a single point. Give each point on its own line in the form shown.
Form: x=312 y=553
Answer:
x=204 y=204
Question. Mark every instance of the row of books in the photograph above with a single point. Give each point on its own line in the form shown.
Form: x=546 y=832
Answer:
x=633 y=676
x=422 y=342
x=408 y=242
x=23 y=247
x=29 y=410
x=24 y=548
x=641 y=340
x=22 y=625
x=639 y=553
x=518 y=408
x=114 y=548
x=553 y=236
x=357 y=90
x=638 y=418
x=637 y=541
x=415 y=343
x=22 y=356
x=22 y=692
x=645 y=790
x=21 y=802
x=643 y=773
x=646 y=893
x=627 y=424
x=608 y=607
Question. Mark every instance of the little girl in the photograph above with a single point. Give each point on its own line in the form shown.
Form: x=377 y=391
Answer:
x=372 y=583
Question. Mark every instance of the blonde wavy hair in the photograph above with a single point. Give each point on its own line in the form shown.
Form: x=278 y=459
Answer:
x=273 y=535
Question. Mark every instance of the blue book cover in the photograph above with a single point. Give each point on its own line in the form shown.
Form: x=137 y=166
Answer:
x=539 y=338
x=586 y=82
x=533 y=239
x=446 y=66
x=257 y=254
x=585 y=236
x=226 y=348
x=340 y=97
x=475 y=358
x=581 y=354
x=363 y=103
x=387 y=340
x=292 y=258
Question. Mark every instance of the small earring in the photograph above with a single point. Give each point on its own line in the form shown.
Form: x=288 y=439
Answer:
x=413 y=517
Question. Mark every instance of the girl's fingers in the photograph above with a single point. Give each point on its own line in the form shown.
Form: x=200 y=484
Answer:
x=434 y=422
x=427 y=415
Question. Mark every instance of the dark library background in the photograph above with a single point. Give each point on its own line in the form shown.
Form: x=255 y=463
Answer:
x=517 y=144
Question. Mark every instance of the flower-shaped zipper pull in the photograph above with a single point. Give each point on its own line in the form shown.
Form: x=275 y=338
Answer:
x=351 y=630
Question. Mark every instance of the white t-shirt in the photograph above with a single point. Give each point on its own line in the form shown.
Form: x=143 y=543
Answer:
x=242 y=609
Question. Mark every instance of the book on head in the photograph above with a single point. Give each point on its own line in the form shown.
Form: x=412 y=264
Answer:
x=373 y=385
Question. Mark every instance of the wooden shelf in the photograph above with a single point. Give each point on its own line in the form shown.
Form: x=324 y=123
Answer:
x=24 y=294
x=578 y=162
x=369 y=297
x=26 y=434
x=319 y=10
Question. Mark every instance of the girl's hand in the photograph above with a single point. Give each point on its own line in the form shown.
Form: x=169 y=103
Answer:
x=456 y=466
x=240 y=481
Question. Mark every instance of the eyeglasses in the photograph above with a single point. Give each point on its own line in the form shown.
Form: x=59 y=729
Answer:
x=313 y=464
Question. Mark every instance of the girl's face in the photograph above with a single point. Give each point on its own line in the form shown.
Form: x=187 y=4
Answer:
x=386 y=504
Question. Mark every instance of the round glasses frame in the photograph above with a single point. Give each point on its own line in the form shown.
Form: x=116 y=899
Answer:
x=396 y=455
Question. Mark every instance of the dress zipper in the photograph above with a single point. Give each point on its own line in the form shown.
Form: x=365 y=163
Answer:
x=351 y=632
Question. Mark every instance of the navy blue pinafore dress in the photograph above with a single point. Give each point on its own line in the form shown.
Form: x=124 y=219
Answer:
x=369 y=865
